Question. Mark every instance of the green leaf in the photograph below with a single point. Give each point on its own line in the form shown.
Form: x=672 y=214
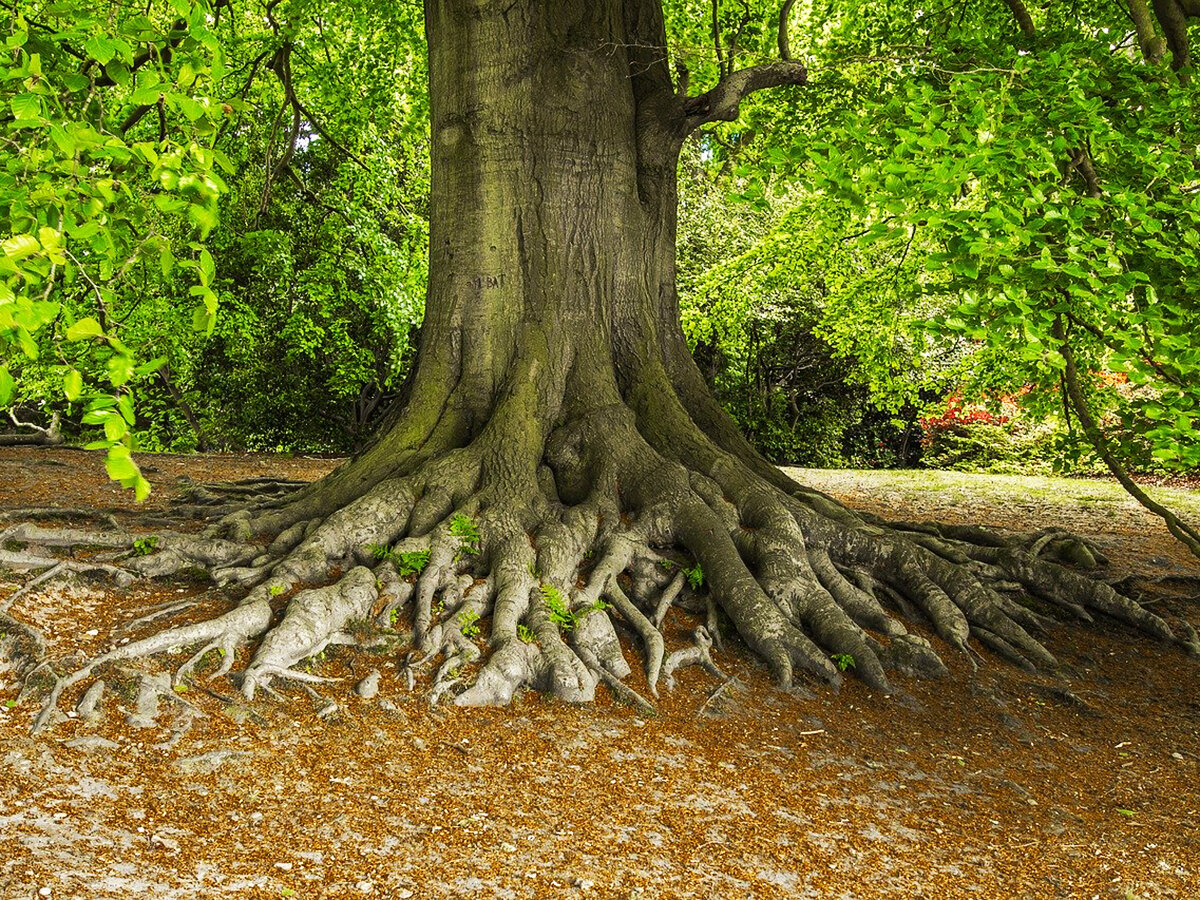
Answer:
x=100 y=48
x=120 y=369
x=73 y=385
x=84 y=328
x=125 y=405
x=207 y=268
x=6 y=386
x=20 y=246
x=120 y=465
x=166 y=261
x=26 y=106
x=149 y=368
x=203 y=320
x=115 y=428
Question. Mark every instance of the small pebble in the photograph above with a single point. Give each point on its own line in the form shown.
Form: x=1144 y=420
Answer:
x=1176 y=756
x=287 y=867
x=44 y=892
x=365 y=886
x=420 y=744
x=368 y=688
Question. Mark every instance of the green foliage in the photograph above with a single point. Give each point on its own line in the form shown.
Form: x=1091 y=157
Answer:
x=1018 y=447
x=759 y=284
x=1028 y=185
x=695 y=577
x=464 y=528
x=556 y=606
x=843 y=661
x=944 y=193
x=108 y=204
x=145 y=168
x=525 y=635
x=144 y=546
x=468 y=623
x=407 y=564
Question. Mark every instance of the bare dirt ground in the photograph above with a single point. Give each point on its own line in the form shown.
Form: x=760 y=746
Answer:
x=990 y=784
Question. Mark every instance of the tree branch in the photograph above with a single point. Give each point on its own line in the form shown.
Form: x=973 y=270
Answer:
x=46 y=437
x=1186 y=534
x=716 y=34
x=785 y=47
x=1021 y=14
x=723 y=102
x=1172 y=16
x=1143 y=23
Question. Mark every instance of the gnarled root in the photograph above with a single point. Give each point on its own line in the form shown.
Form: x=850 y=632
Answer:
x=224 y=633
x=521 y=553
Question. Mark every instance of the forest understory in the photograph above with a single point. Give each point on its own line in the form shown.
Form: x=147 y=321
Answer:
x=1080 y=782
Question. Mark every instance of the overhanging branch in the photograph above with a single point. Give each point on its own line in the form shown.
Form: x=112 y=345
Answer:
x=785 y=14
x=723 y=102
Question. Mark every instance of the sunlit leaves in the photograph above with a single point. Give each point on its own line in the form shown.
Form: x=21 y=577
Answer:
x=99 y=117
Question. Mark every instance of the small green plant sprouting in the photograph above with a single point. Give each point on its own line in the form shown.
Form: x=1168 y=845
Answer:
x=843 y=661
x=667 y=564
x=468 y=621
x=276 y=589
x=599 y=605
x=695 y=577
x=524 y=633
x=464 y=528
x=560 y=613
x=393 y=617
x=144 y=546
x=411 y=563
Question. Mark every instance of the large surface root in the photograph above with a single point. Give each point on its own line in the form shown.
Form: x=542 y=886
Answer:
x=521 y=565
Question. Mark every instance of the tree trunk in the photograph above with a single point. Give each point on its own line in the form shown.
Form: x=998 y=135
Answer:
x=559 y=462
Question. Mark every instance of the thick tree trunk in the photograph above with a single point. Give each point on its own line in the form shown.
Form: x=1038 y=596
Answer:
x=559 y=462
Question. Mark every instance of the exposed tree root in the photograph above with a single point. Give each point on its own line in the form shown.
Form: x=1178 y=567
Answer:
x=543 y=548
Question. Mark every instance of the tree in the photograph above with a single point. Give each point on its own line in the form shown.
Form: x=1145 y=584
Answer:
x=558 y=461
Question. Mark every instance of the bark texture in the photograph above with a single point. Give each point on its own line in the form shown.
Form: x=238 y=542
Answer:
x=559 y=469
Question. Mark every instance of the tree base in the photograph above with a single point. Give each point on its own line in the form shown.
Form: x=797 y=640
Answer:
x=518 y=570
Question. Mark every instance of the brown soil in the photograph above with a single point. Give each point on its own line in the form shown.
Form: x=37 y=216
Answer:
x=989 y=784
